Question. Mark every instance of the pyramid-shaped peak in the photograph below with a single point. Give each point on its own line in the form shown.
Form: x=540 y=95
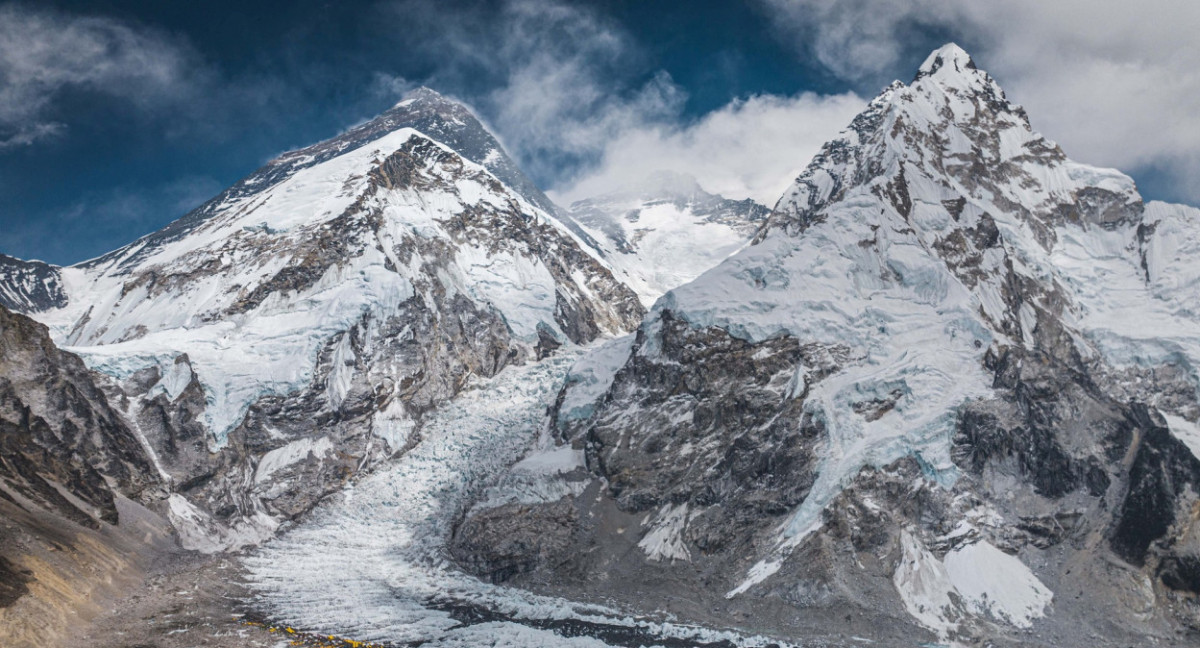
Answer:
x=949 y=58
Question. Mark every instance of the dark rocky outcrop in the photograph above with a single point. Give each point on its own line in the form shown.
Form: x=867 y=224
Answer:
x=30 y=286
x=62 y=446
x=73 y=535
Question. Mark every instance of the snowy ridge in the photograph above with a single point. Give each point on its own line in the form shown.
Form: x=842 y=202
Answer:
x=217 y=296
x=30 y=286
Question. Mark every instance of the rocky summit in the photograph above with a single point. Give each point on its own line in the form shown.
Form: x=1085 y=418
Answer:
x=385 y=390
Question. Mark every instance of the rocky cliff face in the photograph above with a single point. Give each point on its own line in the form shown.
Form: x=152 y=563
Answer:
x=950 y=387
x=30 y=286
x=296 y=329
x=63 y=448
x=75 y=484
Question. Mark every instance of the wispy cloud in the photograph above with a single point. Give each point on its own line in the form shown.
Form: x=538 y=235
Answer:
x=1117 y=83
x=44 y=53
x=573 y=97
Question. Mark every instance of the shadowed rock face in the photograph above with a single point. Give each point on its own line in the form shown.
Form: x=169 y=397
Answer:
x=74 y=533
x=30 y=286
x=714 y=435
x=14 y=582
x=513 y=539
x=62 y=447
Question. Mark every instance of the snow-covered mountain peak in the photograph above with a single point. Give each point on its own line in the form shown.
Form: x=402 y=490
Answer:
x=940 y=282
x=321 y=306
x=949 y=56
x=423 y=94
x=953 y=134
x=422 y=110
x=417 y=213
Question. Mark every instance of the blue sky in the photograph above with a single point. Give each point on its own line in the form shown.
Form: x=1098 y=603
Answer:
x=118 y=117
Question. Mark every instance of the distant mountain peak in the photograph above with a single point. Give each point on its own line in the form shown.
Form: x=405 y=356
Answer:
x=437 y=117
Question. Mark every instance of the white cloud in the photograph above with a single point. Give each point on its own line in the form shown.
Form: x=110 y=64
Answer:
x=750 y=148
x=1117 y=83
x=42 y=53
x=555 y=81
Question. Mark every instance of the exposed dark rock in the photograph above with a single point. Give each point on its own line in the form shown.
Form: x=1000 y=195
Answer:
x=1163 y=472
x=30 y=286
x=62 y=447
x=502 y=542
x=14 y=582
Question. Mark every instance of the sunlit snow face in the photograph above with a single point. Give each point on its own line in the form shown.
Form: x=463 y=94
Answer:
x=243 y=347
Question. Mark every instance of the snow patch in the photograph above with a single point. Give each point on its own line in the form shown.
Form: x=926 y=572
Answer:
x=925 y=587
x=592 y=375
x=996 y=584
x=298 y=450
x=664 y=540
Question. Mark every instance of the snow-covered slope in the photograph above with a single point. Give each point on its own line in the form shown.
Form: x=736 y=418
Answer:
x=305 y=320
x=253 y=293
x=949 y=337
x=664 y=231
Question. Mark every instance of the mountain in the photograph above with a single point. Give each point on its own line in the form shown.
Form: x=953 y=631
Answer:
x=665 y=230
x=944 y=393
x=948 y=394
x=295 y=329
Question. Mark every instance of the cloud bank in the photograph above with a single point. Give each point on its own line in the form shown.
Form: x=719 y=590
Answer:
x=751 y=148
x=584 y=109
